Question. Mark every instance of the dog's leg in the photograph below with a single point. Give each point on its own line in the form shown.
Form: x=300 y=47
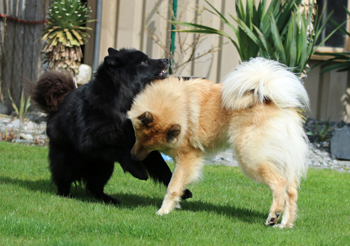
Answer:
x=61 y=170
x=187 y=169
x=135 y=168
x=97 y=191
x=289 y=214
x=98 y=176
x=159 y=171
x=278 y=185
x=62 y=178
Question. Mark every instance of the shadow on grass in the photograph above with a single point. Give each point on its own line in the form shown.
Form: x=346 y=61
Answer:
x=46 y=186
x=134 y=200
x=190 y=205
x=42 y=185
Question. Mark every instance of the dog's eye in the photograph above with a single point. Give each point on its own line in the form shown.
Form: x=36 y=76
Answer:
x=145 y=62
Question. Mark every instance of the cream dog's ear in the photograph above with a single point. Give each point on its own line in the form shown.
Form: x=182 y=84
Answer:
x=173 y=132
x=146 y=118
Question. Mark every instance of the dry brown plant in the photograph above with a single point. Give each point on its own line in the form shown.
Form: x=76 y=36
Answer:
x=187 y=44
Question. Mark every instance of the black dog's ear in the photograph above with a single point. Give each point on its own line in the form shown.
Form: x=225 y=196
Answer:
x=112 y=61
x=146 y=118
x=112 y=52
x=173 y=132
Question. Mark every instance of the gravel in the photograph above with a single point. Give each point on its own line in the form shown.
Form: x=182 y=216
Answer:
x=317 y=158
x=319 y=134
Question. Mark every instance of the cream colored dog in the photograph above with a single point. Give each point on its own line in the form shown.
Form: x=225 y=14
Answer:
x=253 y=111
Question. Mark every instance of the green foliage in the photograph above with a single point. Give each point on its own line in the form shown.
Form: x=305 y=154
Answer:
x=22 y=110
x=64 y=33
x=66 y=22
x=342 y=62
x=227 y=209
x=342 y=58
x=321 y=132
x=277 y=31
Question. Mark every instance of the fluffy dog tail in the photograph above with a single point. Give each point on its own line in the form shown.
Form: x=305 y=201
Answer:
x=260 y=80
x=48 y=93
x=264 y=81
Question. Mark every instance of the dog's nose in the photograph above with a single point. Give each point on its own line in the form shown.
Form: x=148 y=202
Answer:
x=165 y=60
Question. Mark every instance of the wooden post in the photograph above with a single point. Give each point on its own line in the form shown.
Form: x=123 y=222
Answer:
x=21 y=46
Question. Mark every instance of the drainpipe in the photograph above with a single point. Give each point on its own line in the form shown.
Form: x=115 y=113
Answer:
x=97 y=34
x=172 y=48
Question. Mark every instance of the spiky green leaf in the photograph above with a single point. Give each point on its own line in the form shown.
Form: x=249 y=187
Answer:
x=277 y=40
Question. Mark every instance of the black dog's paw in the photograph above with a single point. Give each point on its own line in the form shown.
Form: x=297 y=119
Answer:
x=137 y=171
x=135 y=168
x=106 y=198
x=187 y=194
x=64 y=194
x=110 y=200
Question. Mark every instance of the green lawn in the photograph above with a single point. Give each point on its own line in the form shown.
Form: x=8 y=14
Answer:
x=227 y=209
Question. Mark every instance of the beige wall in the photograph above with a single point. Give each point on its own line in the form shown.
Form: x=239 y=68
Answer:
x=329 y=94
x=123 y=25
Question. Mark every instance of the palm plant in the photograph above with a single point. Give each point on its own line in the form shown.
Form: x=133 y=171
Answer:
x=64 y=34
x=277 y=31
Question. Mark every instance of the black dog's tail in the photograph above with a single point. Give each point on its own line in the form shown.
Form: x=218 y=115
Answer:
x=51 y=88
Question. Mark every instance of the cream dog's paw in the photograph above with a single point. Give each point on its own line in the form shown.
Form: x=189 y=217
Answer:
x=282 y=226
x=272 y=219
x=162 y=212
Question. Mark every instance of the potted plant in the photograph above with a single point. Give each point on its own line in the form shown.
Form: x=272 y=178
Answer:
x=65 y=33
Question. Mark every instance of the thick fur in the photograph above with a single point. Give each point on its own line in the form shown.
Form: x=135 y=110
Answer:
x=88 y=128
x=253 y=111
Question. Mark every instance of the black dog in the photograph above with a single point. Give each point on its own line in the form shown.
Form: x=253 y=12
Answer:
x=88 y=127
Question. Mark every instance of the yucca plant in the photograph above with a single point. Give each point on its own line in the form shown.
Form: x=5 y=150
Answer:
x=64 y=34
x=278 y=31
